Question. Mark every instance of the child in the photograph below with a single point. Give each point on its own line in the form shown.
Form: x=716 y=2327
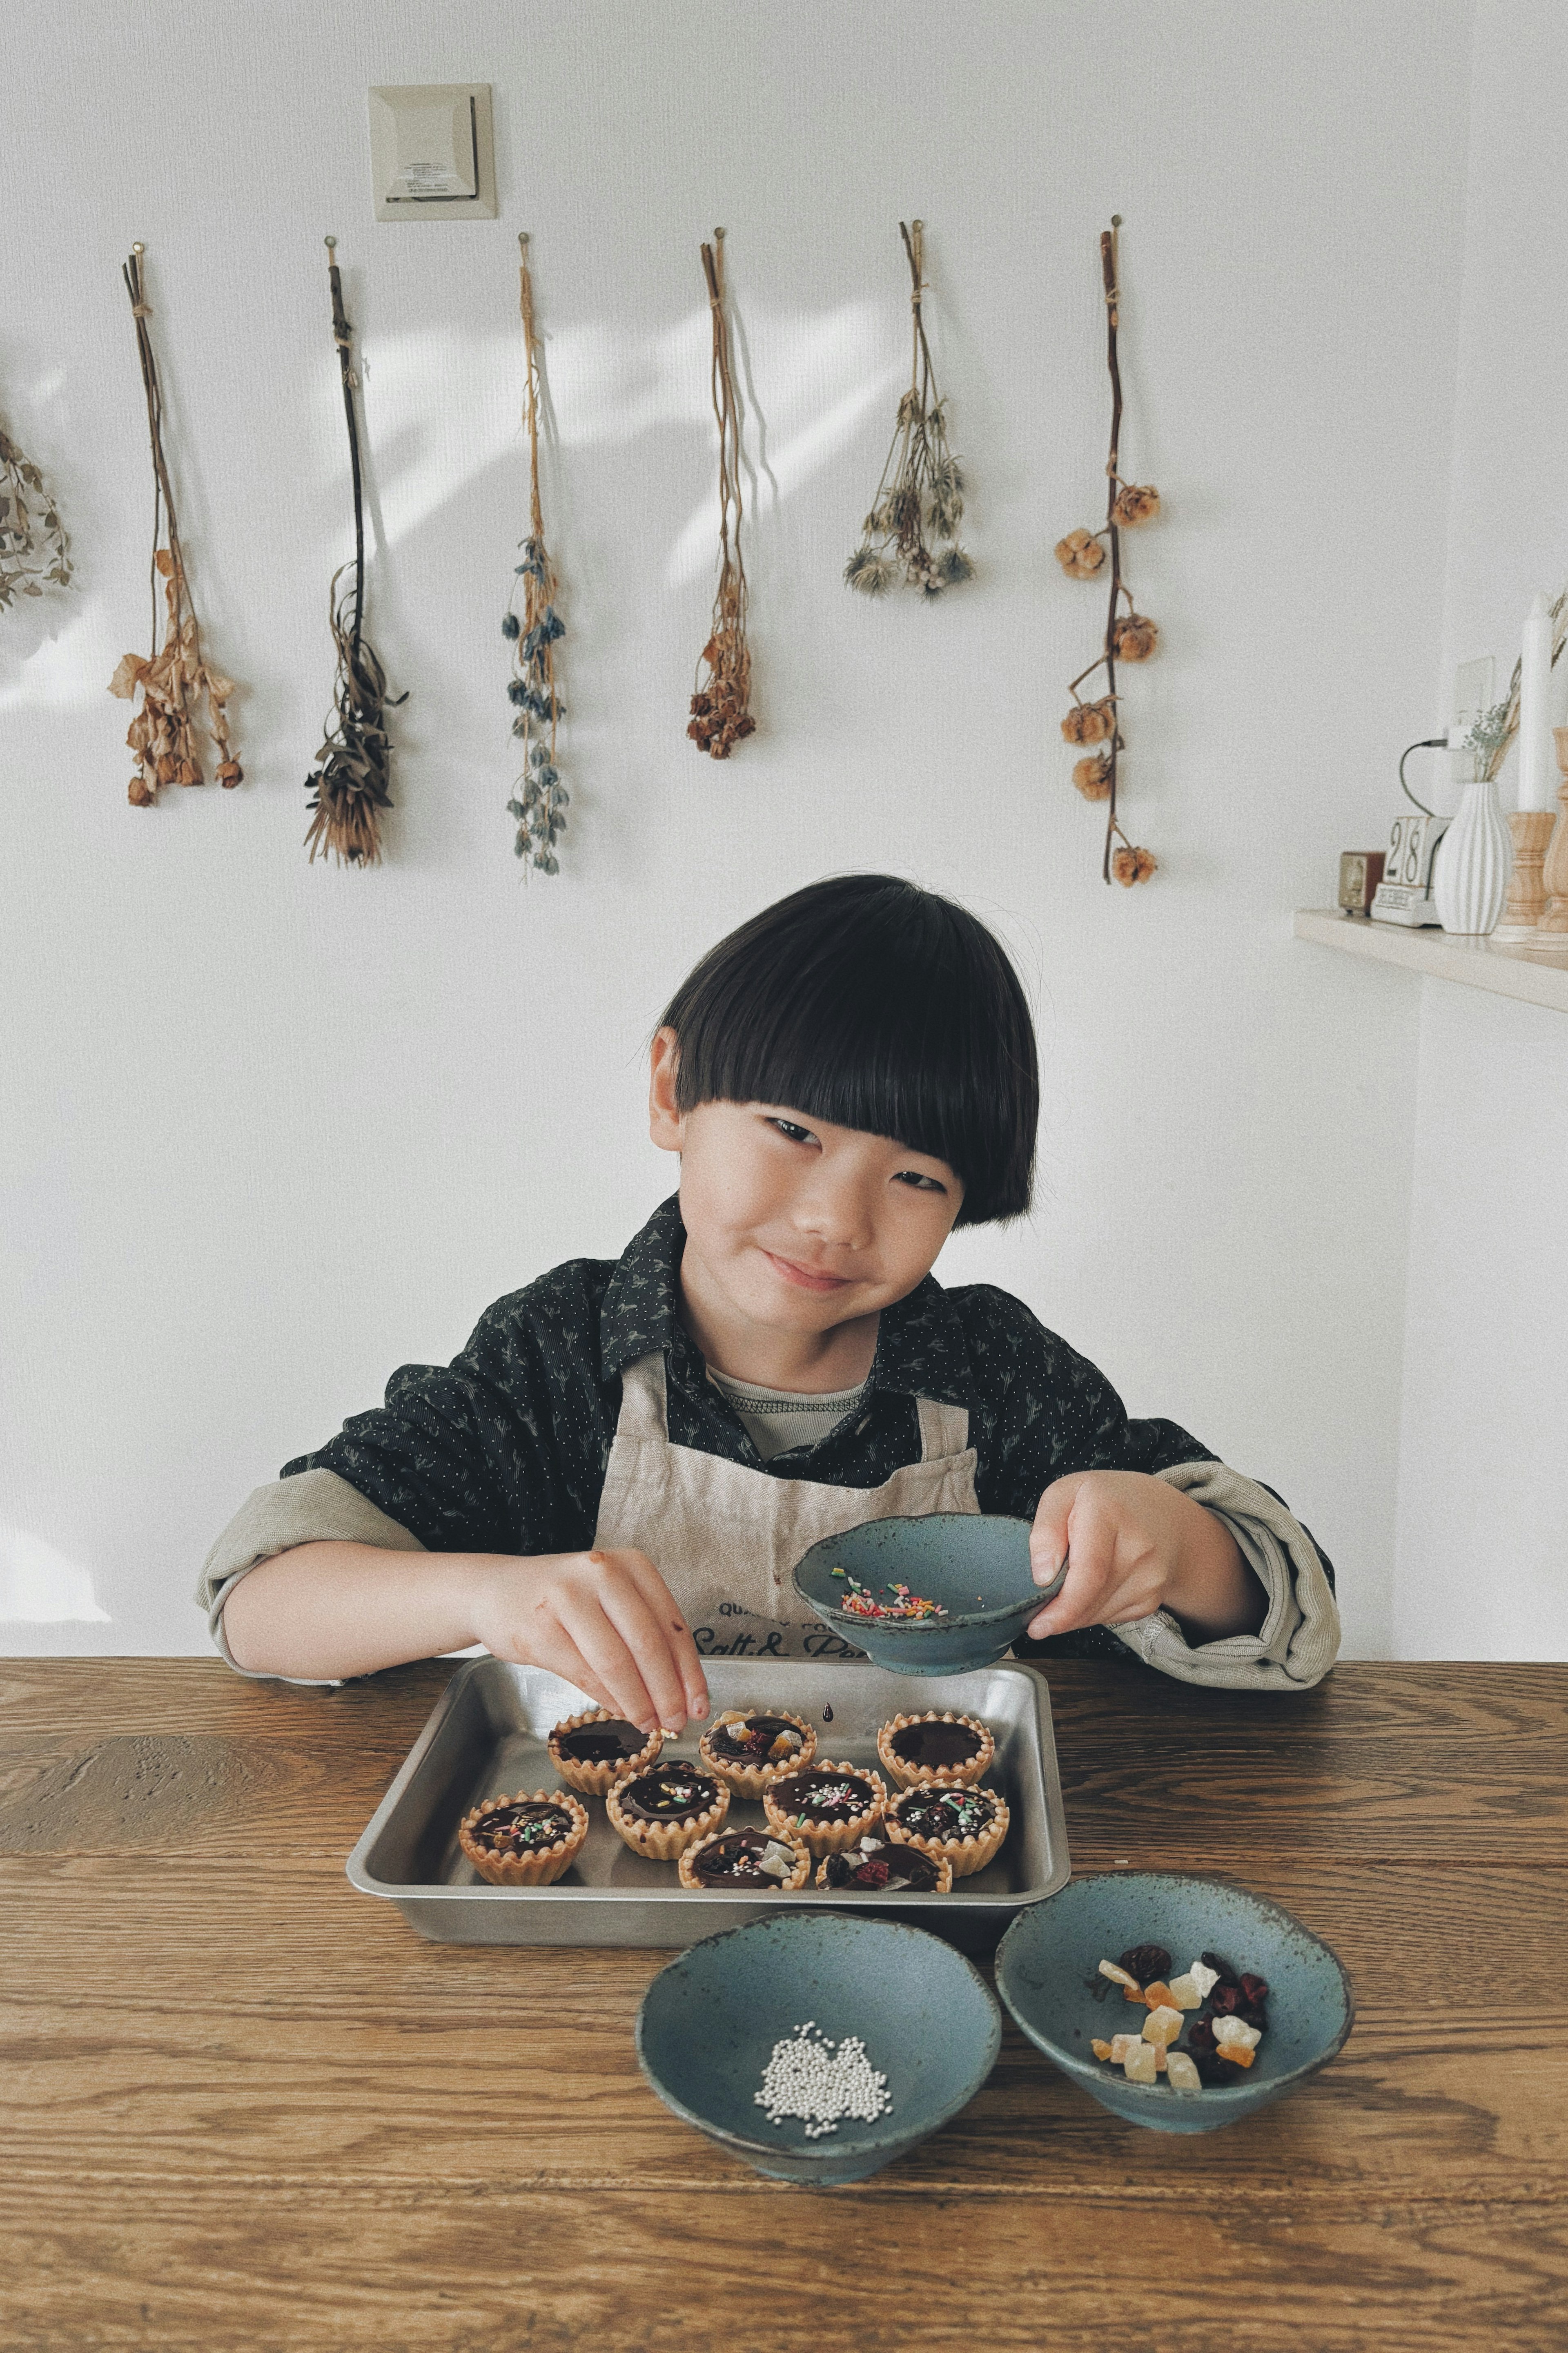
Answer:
x=617 y=1474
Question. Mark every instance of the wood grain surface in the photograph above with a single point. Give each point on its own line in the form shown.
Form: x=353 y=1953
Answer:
x=242 y=2106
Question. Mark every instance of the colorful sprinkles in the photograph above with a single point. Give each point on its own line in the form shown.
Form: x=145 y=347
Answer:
x=860 y=1603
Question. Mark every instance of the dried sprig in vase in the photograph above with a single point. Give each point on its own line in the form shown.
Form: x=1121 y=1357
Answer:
x=911 y=531
x=1095 y=726
x=351 y=784
x=539 y=797
x=721 y=704
x=35 y=551
x=173 y=682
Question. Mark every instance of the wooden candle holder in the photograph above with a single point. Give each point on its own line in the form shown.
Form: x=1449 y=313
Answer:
x=1526 y=901
x=1551 y=931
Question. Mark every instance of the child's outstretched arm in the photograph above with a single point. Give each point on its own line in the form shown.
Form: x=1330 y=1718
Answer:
x=1134 y=1545
x=606 y=1621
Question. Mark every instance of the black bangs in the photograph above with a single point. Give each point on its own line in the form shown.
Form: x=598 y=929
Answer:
x=871 y=1004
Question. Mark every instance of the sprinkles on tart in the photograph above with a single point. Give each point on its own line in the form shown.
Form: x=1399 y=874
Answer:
x=877 y=1867
x=825 y=1806
x=594 y=1750
x=748 y=1748
x=936 y=1746
x=661 y=1812
x=962 y=1826
x=524 y=1841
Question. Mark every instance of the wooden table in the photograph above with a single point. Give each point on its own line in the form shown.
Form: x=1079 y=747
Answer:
x=242 y=2106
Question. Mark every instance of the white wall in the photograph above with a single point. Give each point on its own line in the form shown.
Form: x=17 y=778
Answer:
x=270 y=1131
x=1483 y=1504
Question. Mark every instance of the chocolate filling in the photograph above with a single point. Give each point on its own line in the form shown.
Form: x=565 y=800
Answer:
x=602 y=1743
x=874 y=1868
x=751 y=1742
x=818 y=1796
x=946 y=1813
x=929 y=1745
x=670 y=1792
x=522 y=1829
x=735 y=1860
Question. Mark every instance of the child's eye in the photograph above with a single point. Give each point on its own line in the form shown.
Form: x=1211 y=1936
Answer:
x=788 y=1128
x=922 y=1184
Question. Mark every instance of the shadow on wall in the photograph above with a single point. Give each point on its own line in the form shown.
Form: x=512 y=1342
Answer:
x=39 y=1586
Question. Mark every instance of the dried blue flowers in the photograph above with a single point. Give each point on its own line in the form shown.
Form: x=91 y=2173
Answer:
x=35 y=552
x=911 y=531
x=539 y=797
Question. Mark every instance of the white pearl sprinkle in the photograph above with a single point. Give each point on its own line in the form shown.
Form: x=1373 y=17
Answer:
x=802 y=2079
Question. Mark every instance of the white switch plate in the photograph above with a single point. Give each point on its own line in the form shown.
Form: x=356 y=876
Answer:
x=432 y=152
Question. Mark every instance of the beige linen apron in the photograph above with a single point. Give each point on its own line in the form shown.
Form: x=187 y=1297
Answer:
x=725 y=1537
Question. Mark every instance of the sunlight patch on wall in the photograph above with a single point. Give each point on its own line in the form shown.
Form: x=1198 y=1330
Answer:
x=39 y=1586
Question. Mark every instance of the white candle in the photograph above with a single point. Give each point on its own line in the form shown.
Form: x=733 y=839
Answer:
x=1535 y=761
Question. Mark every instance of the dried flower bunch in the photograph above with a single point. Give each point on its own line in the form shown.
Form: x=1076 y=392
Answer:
x=1130 y=635
x=34 y=552
x=1495 y=729
x=720 y=706
x=351 y=784
x=913 y=528
x=539 y=797
x=173 y=682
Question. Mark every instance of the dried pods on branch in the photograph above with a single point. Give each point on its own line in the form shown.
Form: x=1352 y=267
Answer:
x=34 y=552
x=721 y=704
x=539 y=797
x=911 y=531
x=1130 y=635
x=351 y=784
x=174 y=682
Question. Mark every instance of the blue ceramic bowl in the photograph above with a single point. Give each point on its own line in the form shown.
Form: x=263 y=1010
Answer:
x=975 y=1565
x=708 y=2023
x=1050 y=1950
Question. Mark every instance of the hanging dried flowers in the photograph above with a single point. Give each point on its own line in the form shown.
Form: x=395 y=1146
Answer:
x=539 y=797
x=1129 y=636
x=350 y=786
x=35 y=552
x=721 y=707
x=173 y=683
x=913 y=528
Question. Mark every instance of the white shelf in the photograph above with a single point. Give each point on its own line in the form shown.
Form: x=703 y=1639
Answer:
x=1539 y=975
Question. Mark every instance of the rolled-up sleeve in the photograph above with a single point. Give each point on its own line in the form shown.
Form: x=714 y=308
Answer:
x=313 y=1507
x=1299 y=1637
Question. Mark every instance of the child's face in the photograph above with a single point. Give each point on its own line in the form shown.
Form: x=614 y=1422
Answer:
x=801 y=1225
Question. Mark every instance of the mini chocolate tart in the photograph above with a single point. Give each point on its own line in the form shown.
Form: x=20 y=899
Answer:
x=877 y=1867
x=952 y=1750
x=964 y=1826
x=594 y=1750
x=749 y=1747
x=746 y=1863
x=661 y=1812
x=524 y=1841
x=827 y=1806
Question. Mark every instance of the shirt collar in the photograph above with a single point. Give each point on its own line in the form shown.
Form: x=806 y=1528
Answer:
x=922 y=1349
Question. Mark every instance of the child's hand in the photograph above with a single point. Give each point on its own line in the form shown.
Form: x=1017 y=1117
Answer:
x=606 y=1621
x=1135 y=1544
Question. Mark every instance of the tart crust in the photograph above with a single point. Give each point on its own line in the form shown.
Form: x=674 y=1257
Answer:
x=946 y=1776
x=665 y=1841
x=546 y=1864
x=967 y=1855
x=827 y=1838
x=943 y=1877
x=598 y=1780
x=798 y=1877
x=751 y=1780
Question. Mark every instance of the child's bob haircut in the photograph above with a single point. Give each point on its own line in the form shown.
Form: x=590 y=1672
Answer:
x=872 y=1004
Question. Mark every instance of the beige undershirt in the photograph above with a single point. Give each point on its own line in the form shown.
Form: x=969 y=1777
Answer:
x=777 y=1419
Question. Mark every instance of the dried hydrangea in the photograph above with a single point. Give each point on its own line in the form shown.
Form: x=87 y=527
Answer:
x=911 y=531
x=35 y=551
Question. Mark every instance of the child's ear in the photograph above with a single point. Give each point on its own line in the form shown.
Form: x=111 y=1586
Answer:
x=665 y=1121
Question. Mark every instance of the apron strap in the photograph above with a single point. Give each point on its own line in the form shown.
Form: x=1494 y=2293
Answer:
x=944 y=1429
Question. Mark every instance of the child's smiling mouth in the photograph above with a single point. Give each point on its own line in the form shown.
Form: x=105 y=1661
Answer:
x=806 y=1277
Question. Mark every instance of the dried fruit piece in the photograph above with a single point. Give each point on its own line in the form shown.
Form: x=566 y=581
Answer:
x=1139 y=2063
x=1236 y=2054
x=1158 y=1995
x=1255 y=1988
x=1117 y=1975
x=1121 y=2044
x=1221 y=1967
x=1162 y=2025
x=1101 y=2049
x=1159 y=2058
x=1205 y=1979
x=1232 y=2035
x=1146 y=1962
x=1183 y=2076
x=1183 y=1993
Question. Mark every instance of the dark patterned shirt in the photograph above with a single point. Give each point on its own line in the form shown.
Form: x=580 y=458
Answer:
x=505 y=1450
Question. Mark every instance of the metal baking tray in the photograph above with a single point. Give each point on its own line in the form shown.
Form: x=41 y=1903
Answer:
x=488 y=1737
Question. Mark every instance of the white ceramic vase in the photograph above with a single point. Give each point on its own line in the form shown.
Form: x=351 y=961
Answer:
x=1474 y=860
